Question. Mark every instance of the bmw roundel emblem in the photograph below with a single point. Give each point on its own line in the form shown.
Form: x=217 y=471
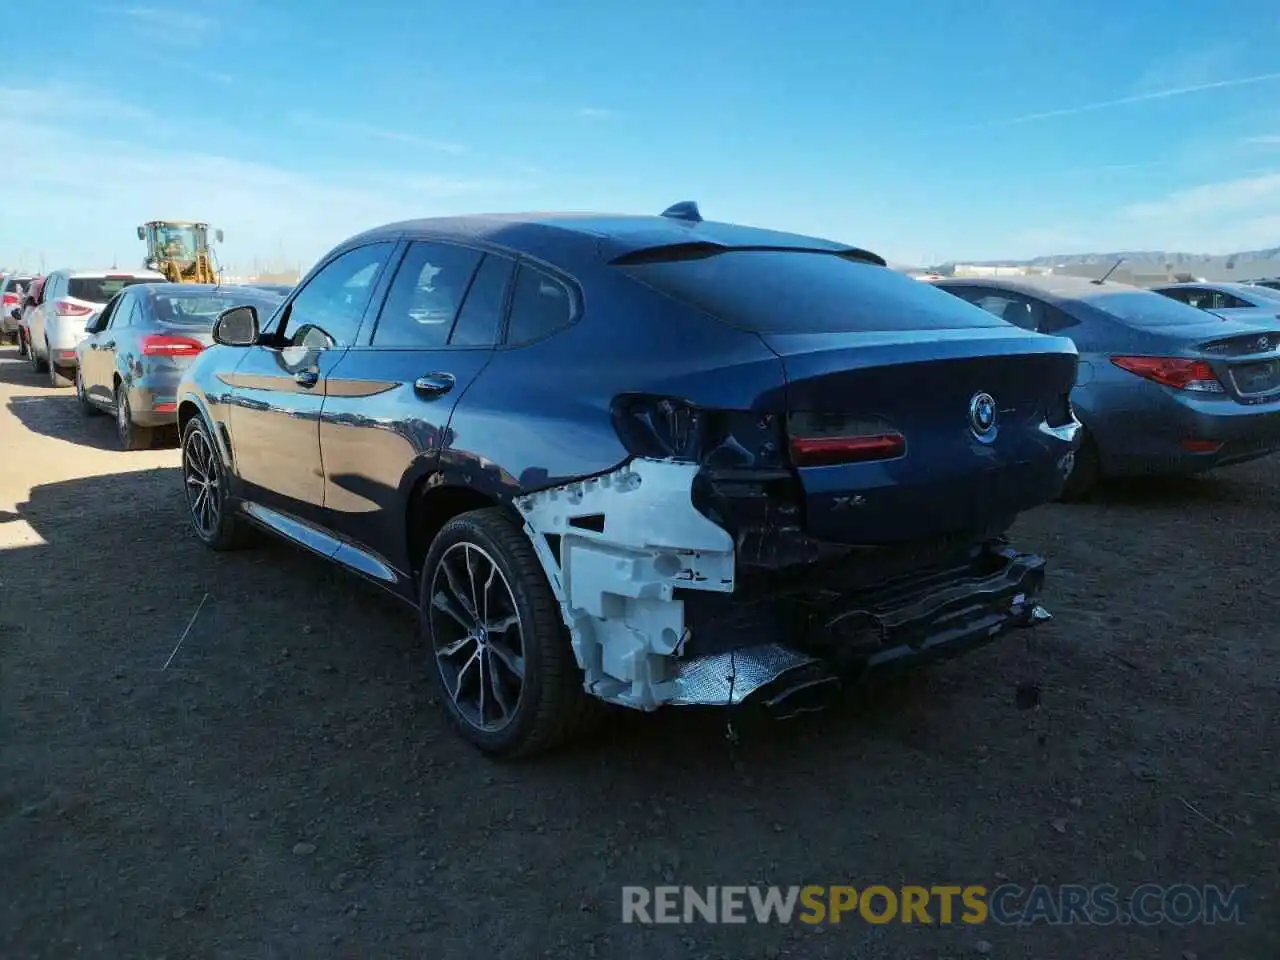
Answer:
x=982 y=416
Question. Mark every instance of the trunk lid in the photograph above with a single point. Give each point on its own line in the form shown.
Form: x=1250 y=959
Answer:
x=981 y=415
x=1246 y=360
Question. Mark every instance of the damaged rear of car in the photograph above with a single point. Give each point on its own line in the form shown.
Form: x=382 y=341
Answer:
x=770 y=536
x=650 y=460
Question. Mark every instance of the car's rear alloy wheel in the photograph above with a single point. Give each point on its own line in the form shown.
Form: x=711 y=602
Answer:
x=501 y=657
x=82 y=397
x=132 y=436
x=204 y=479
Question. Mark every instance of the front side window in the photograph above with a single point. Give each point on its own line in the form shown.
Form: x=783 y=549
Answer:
x=425 y=296
x=327 y=312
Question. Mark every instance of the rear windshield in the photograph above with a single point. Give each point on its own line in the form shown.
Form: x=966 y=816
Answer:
x=200 y=310
x=16 y=282
x=808 y=292
x=1270 y=294
x=1145 y=308
x=102 y=289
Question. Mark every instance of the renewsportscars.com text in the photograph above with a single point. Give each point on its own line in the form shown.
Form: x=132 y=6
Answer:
x=1008 y=904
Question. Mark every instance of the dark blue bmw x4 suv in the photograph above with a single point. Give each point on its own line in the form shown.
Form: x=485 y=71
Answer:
x=647 y=460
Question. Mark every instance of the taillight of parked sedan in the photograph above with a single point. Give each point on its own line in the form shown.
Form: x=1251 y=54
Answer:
x=65 y=308
x=162 y=345
x=1177 y=372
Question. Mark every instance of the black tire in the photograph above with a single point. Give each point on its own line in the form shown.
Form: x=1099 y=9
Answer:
x=201 y=463
x=551 y=706
x=37 y=365
x=1085 y=473
x=22 y=345
x=131 y=435
x=57 y=378
x=82 y=398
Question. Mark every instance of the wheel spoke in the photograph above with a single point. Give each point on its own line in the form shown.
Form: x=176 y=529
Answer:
x=452 y=649
x=497 y=687
x=456 y=588
x=442 y=602
x=513 y=662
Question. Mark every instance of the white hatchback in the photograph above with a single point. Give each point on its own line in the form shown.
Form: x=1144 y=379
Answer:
x=71 y=299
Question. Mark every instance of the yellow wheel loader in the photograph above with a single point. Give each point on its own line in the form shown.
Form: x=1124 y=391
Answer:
x=180 y=250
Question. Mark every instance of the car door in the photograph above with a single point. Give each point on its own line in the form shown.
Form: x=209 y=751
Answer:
x=97 y=350
x=278 y=388
x=390 y=398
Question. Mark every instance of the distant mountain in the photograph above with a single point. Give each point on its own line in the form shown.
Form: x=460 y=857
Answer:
x=1157 y=258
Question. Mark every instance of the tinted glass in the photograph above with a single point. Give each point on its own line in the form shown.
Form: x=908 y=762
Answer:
x=540 y=305
x=183 y=309
x=803 y=292
x=1267 y=294
x=425 y=296
x=481 y=313
x=1009 y=307
x=13 y=282
x=1145 y=309
x=102 y=289
x=328 y=310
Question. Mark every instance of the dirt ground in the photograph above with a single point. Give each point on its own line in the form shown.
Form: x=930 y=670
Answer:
x=285 y=788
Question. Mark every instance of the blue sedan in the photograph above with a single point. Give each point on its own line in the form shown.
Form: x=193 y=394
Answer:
x=1163 y=388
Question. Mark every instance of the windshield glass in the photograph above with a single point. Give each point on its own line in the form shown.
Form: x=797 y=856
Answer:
x=176 y=242
x=796 y=291
x=200 y=309
x=102 y=289
x=1147 y=309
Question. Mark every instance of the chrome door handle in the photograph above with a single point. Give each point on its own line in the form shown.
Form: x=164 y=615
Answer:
x=434 y=384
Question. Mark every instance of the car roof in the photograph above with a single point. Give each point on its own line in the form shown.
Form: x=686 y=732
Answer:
x=613 y=234
x=113 y=273
x=1052 y=286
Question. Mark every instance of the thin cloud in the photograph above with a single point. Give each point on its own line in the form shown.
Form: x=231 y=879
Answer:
x=1268 y=140
x=171 y=26
x=80 y=206
x=596 y=113
x=1126 y=101
x=377 y=133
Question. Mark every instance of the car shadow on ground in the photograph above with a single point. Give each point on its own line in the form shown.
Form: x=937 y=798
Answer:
x=58 y=416
x=1214 y=486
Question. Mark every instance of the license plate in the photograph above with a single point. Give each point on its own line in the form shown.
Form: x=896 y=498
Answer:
x=1257 y=377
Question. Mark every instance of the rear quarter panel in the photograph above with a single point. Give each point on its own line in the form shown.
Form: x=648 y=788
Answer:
x=539 y=415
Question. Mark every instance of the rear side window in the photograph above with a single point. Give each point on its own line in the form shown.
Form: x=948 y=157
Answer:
x=796 y=291
x=540 y=305
x=101 y=289
x=1146 y=309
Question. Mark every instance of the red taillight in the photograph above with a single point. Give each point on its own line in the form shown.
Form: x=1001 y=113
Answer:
x=65 y=308
x=160 y=345
x=10 y=299
x=827 y=451
x=1202 y=446
x=1176 y=372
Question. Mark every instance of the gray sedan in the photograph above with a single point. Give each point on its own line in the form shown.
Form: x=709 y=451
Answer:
x=1230 y=301
x=136 y=349
x=1162 y=388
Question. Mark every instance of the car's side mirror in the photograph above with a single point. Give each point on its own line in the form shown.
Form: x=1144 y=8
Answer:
x=142 y=234
x=218 y=235
x=236 y=327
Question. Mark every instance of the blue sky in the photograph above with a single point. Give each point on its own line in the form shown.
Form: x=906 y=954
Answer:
x=925 y=131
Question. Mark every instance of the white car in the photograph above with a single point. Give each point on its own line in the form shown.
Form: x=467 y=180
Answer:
x=71 y=299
